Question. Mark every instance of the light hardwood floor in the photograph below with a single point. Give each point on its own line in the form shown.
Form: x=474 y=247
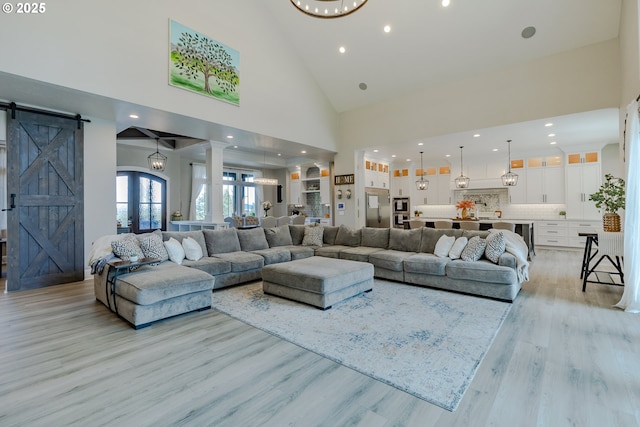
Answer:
x=562 y=358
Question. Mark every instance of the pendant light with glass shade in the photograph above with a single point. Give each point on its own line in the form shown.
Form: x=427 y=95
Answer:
x=462 y=181
x=509 y=179
x=422 y=184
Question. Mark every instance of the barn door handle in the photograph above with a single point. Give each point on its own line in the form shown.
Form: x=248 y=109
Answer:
x=13 y=202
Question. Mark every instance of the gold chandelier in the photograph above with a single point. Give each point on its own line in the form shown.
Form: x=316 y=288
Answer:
x=328 y=8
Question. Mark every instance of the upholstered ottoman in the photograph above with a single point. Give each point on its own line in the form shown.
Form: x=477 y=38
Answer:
x=318 y=281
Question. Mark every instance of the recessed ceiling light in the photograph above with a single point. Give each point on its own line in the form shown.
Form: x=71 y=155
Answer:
x=447 y=155
x=279 y=154
x=408 y=160
x=304 y=151
x=528 y=32
x=235 y=146
x=495 y=149
x=375 y=151
x=476 y=135
x=362 y=86
x=420 y=143
x=393 y=155
x=553 y=143
x=387 y=28
x=552 y=134
x=229 y=136
x=445 y=3
x=548 y=124
x=342 y=49
x=134 y=116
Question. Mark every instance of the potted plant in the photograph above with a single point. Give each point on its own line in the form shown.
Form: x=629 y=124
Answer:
x=464 y=206
x=610 y=198
x=417 y=212
x=562 y=213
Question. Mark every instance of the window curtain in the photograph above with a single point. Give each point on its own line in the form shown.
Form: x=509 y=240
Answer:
x=198 y=182
x=3 y=186
x=630 y=300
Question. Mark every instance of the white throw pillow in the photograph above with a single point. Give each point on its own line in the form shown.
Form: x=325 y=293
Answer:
x=192 y=249
x=444 y=245
x=458 y=247
x=175 y=250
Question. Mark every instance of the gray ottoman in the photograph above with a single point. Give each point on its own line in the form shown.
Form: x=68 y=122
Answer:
x=318 y=281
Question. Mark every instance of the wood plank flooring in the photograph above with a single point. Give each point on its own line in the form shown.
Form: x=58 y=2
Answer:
x=562 y=358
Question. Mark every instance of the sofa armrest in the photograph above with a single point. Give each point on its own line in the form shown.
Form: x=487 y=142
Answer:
x=507 y=260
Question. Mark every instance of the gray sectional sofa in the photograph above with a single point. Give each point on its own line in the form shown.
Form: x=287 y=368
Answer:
x=233 y=256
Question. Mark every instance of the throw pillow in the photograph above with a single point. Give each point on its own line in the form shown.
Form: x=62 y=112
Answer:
x=444 y=245
x=152 y=246
x=312 y=236
x=278 y=236
x=175 y=250
x=474 y=249
x=126 y=248
x=192 y=249
x=458 y=247
x=348 y=236
x=496 y=245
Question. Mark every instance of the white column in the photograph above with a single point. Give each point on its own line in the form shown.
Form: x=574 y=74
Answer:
x=214 y=181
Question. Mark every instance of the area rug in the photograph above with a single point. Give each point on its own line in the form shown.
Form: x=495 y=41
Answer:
x=426 y=342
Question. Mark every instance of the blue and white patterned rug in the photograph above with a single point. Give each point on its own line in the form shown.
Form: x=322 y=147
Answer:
x=426 y=342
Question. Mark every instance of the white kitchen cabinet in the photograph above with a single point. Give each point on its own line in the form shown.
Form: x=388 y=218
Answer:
x=583 y=179
x=401 y=183
x=294 y=188
x=325 y=190
x=574 y=228
x=551 y=233
x=545 y=185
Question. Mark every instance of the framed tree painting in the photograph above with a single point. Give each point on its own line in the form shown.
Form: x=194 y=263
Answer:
x=202 y=65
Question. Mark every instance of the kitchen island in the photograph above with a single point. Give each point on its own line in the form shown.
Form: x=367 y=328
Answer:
x=523 y=227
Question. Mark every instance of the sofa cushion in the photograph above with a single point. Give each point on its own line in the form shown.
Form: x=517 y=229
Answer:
x=212 y=265
x=347 y=236
x=278 y=236
x=274 y=255
x=242 y=261
x=444 y=245
x=152 y=246
x=390 y=259
x=331 y=251
x=360 y=253
x=150 y=284
x=126 y=248
x=426 y=264
x=496 y=245
x=430 y=237
x=474 y=249
x=405 y=240
x=175 y=250
x=312 y=236
x=192 y=250
x=297 y=233
x=197 y=235
x=252 y=239
x=375 y=237
x=458 y=247
x=329 y=234
x=300 y=252
x=481 y=271
x=221 y=241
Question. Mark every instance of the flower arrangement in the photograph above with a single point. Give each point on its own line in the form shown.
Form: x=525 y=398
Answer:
x=266 y=205
x=465 y=204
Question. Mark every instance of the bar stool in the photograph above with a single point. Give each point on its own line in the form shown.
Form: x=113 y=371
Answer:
x=416 y=223
x=502 y=225
x=469 y=225
x=610 y=246
x=443 y=224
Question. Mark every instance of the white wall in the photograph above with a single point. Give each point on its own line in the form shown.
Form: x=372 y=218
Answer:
x=99 y=181
x=119 y=49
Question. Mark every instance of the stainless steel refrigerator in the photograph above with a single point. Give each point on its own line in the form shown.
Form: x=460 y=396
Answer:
x=378 y=208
